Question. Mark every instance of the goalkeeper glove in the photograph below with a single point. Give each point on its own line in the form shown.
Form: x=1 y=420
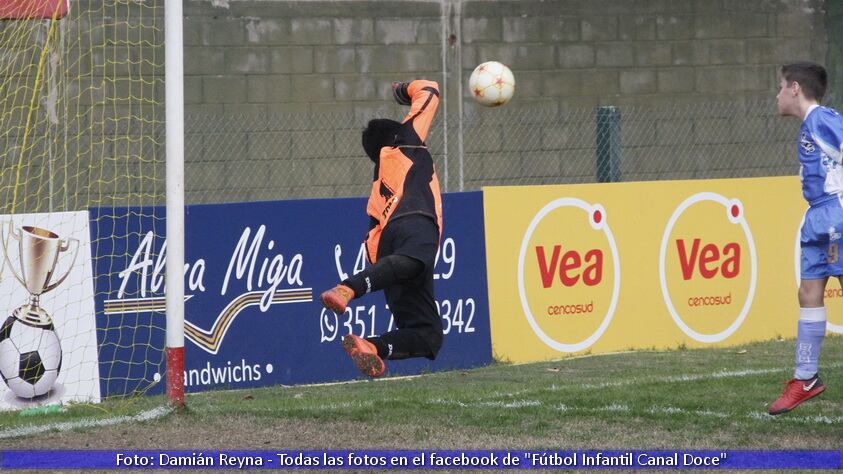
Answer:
x=399 y=91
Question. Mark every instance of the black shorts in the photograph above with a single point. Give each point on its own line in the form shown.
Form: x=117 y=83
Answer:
x=413 y=235
x=412 y=303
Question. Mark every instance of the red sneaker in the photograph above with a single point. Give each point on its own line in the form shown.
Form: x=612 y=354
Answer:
x=795 y=392
x=364 y=354
x=336 y=299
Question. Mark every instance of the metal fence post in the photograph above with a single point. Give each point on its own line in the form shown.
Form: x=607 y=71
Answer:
x=608 y=144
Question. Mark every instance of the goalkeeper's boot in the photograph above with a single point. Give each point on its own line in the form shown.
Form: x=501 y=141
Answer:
x=364 y=354
x=336 y=299
x=795 y=392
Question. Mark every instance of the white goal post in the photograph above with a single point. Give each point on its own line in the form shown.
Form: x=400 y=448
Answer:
x=92 y=157
x=174 y=92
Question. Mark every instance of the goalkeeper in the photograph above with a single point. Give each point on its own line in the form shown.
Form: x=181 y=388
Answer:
x=405 y=214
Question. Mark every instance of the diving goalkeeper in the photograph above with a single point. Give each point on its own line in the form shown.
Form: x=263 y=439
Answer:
x=405 y=214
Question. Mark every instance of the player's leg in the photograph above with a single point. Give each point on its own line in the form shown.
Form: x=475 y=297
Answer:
x=419 y=332
x=810 y=328
x=819 y=260
x=806 y=382
x=405 y=272
x=412 y=303
x=388 y=271
x=409 y=343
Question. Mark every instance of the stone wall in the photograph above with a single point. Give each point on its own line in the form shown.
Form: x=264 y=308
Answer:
x=277 y=92
x=315 y=55
x=315 y=59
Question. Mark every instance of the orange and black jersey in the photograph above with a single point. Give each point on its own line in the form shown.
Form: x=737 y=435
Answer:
x=405 y=180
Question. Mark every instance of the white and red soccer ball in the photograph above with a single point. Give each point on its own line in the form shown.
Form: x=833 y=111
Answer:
x=492 y=84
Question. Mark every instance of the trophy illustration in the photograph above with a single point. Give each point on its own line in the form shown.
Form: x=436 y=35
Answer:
x=30 y=351
x=39 y=251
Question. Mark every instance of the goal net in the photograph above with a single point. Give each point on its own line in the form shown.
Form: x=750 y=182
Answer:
x=82 y=143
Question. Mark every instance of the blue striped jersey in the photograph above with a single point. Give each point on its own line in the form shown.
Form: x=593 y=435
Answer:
x=820 y=158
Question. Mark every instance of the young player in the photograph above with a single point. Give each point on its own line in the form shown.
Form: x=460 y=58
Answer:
x=405 y=213
x=802 y=86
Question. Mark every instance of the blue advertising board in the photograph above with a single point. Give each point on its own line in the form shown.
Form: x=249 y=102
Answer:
x=253 y=275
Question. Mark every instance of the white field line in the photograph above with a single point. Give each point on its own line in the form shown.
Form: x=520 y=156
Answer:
x=620 y=408
x=328 y=384
x=485 y=402
x=323 y=407
x=684 y=378
x=826 y=420
x=410 y=377
x=380 y=402
x=814 y=419
x=162 y=411
x=512 y=404
x=85 y=423
x=583 y=356
x=644 y=381
x=613 y=408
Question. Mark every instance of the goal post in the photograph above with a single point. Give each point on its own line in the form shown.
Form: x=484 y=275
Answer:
x=174 y=91
x=91 y=162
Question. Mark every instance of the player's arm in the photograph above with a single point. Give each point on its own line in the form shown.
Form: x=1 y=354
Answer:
x=423 y=98
x=829 y=136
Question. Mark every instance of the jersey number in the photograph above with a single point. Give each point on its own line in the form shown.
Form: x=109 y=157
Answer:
x=833 y=253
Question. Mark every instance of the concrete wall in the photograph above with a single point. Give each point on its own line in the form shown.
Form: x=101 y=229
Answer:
x=315 y=59
x=323 y=56
x=315 y=55
x=834 y=55
x=277 y=92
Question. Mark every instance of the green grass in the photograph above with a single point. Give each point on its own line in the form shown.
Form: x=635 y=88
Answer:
x=701 y=398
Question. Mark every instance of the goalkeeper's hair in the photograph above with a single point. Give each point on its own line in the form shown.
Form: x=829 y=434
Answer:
x=378 y=134
x=811 y=77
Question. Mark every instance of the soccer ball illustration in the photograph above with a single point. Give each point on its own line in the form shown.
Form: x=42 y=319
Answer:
x=492 y=84
x=30 y=357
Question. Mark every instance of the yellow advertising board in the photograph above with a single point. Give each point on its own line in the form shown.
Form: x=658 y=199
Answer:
x=610 y=267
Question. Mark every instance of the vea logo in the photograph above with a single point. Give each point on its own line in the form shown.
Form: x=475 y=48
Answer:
x=569 y=274
x=707 y=266
x=573 y=266
x=708 y=260
x=254 y=273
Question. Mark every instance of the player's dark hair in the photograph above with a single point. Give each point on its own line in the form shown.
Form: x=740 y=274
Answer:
x=811 y=77
x=378 y=134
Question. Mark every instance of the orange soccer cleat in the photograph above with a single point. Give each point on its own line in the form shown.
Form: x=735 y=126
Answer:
x=364 y=354
x=795 y=392
x=336 y=299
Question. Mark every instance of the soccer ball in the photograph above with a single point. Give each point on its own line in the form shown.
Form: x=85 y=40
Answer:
x=492 y=84
x=30 y=357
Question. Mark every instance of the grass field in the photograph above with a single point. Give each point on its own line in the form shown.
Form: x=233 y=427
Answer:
x=703 y=399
